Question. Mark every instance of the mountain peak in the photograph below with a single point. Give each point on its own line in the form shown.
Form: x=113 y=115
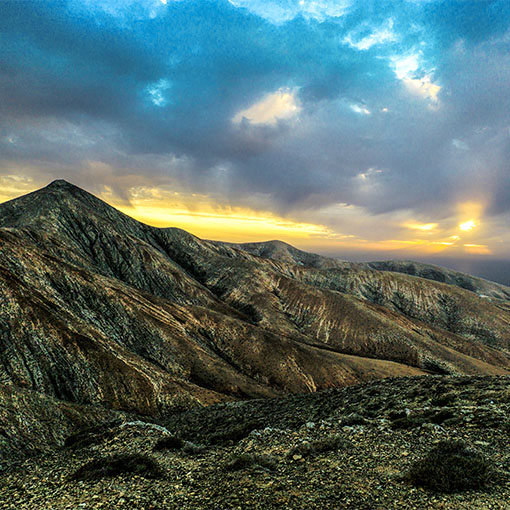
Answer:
x=61 y=184
x=58 y=200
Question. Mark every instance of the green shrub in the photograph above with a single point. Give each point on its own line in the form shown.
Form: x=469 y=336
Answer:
x=413 y=420
x=408 y=422
x=106 y=467
x=193 y=449
x=441 y=416
x=451 y=467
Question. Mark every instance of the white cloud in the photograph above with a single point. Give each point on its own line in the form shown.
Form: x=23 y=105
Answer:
x=423 y=87
x=361 y=109
x=158 y=92
x=415 y=78
x=281 y=104
x=381 y=35
x=405 y=66
x=460 y=144
x=369 y=173
x=278 y=12
x=122 y=8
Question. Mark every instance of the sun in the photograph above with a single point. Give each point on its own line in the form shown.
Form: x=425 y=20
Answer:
x=468 y=225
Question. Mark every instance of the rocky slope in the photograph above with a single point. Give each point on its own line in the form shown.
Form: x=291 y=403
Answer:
x=100 y=310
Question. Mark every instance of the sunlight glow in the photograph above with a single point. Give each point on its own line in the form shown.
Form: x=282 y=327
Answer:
x=199 y=215
x=12 y=186
x=205 y=216
x=468 y=225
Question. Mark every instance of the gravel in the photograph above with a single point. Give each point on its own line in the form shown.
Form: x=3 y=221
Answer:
x=361 y=465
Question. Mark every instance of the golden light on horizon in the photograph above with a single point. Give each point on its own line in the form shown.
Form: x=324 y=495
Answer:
x=208 y=217
x=427 y=227
x=203 y=218
x=477 y=249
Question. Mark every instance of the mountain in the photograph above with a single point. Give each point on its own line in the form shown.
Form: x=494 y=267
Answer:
x=103 y=317
x=283 y=252
x=482 y=287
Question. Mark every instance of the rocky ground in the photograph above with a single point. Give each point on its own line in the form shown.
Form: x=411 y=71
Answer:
x=348 y=448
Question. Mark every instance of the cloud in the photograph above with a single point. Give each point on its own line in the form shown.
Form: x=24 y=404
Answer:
x=408 y=69
x=134 y=92
x=360 y=109
x=158 y=92
x=380 y=35
x=281 y=104
x=423 y=87
x=460 y=144
x=278 y=11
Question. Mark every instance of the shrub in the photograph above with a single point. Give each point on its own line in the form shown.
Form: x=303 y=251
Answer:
x=193 y=449
x=408 y=422
x=444 y=400
x=105 y=467
x=176 y=443
x=328 y=444
x=250 y=460
x=235 y=433
x=89 y=435
x=441 y=416
x=169 y=443
x=403 y=421
x=353 y=419
x=451 y=467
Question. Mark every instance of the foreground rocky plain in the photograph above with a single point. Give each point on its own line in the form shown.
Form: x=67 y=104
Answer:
x=335 y=449
x=117 y=338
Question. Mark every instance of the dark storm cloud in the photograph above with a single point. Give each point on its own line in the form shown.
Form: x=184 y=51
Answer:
x=137 y=87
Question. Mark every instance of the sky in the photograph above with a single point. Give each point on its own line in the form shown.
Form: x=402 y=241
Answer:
x=363 y=129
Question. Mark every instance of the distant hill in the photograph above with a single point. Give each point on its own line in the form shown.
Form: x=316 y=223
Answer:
x=482 y=287
x=283 y=252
